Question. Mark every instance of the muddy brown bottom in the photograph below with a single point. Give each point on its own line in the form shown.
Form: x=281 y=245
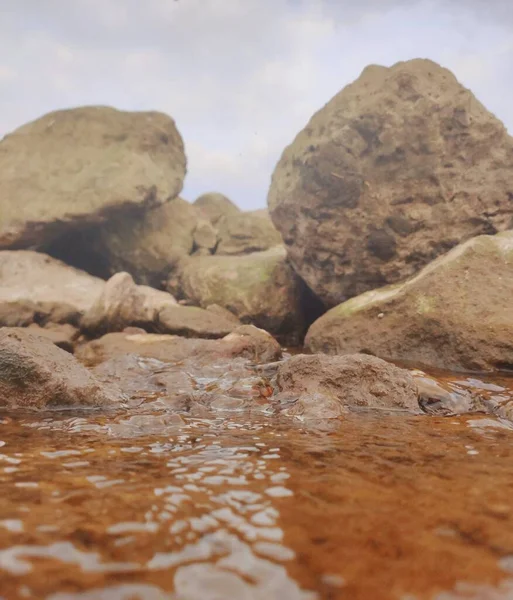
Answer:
x=370 y=506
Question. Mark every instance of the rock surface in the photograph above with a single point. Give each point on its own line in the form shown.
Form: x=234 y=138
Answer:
x=325 y=386
x=63 y=336
x=148 y=246
x=224 y=312
x=245 y=341
x=455 y=314
x=246 y=232
x=124 y=304
x=213 y=206
x=35 y=374
x=204 y=238
x=259 y=288
x=36 y=287
x=437 y=397
x=395 y=170
x=75 y=167
x=189 y=386
x=193 y=321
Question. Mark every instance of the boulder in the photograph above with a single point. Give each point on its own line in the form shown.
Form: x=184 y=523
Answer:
x=123 y=304
x=148 y=246
x=35 y=374
x=72 y=168
x=395 y=170
x=457 y=313
x=163 y=347
x=327 y=386
x=63 y=336
x=248 y=341
x=37 y=288
x=245 y=341
x=259 y=288
x=246 y=232
x=192 y=321
x=224 y=312
x=213 y=206
x=202 y=381
x=440 y=397
x=204 y=237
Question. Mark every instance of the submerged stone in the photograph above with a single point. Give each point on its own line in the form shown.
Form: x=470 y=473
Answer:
x=320 y=386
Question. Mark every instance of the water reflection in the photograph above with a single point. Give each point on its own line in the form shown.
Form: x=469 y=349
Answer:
x=195 y=513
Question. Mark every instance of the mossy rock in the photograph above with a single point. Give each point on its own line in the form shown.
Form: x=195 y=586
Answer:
x=456 y=313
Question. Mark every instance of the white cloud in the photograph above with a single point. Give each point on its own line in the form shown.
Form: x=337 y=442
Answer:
x=241 y=77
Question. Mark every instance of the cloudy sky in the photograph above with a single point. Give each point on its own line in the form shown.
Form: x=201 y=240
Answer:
x=240 y=77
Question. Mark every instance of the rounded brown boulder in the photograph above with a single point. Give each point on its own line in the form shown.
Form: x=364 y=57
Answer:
x=321 y=386
x=214 y=206
x=456 y=313
x=35 y=374
x=259 y=288
x=247 y=232
x=395 y=170
x=73 y=168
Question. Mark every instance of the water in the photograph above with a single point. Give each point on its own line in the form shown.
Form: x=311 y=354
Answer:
x=249 y=505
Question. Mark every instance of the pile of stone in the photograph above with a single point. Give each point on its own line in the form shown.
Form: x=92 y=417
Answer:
x=98 y=189
x=390 y=213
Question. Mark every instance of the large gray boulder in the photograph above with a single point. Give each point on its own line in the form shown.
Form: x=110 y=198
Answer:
x=77 y=167
x=37 y=288
x=35 y=374
x=395 y=170
x=457 y=313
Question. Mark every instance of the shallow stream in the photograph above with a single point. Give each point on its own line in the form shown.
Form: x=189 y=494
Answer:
x=254 y=506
